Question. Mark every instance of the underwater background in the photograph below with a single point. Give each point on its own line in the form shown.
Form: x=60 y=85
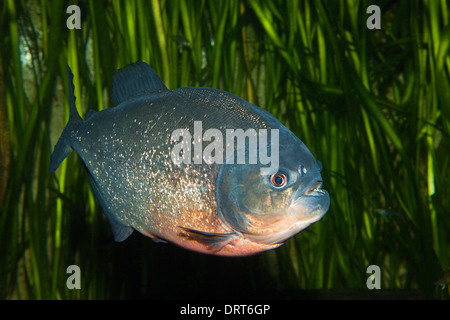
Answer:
x=373 y=105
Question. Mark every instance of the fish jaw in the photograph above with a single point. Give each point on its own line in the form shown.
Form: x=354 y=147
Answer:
x=306 y=209
x=311 y=205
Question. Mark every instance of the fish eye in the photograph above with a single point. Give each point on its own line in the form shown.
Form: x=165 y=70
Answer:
x=279 y=179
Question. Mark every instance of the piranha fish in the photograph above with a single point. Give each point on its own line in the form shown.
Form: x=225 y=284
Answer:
x=223 y=208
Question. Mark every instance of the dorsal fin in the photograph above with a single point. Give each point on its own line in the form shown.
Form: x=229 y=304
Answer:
x=134 y=80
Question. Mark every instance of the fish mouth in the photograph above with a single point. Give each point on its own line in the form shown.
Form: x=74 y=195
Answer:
x=315 y=190
x=305 y=209
x=311 y=205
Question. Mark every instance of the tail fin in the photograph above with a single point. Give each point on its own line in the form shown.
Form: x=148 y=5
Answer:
x=62 y=148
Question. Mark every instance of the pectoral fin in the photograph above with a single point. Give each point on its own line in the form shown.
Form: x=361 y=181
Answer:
x=156 y=239
x=213 y=241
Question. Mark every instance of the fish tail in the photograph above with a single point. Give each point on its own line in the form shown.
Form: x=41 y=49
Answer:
x=63 y=148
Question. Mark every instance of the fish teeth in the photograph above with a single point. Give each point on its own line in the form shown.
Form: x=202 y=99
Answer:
x=315 y=189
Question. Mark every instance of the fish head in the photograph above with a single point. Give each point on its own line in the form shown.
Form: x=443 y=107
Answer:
x=270 y=207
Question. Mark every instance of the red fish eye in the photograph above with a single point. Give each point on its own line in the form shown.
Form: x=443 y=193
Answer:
x=278 y=180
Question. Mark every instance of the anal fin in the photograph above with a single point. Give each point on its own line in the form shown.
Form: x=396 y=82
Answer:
x=213 y=241
x=120 y=232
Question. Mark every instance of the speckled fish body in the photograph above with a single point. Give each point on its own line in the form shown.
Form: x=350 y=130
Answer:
x=216 y=208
